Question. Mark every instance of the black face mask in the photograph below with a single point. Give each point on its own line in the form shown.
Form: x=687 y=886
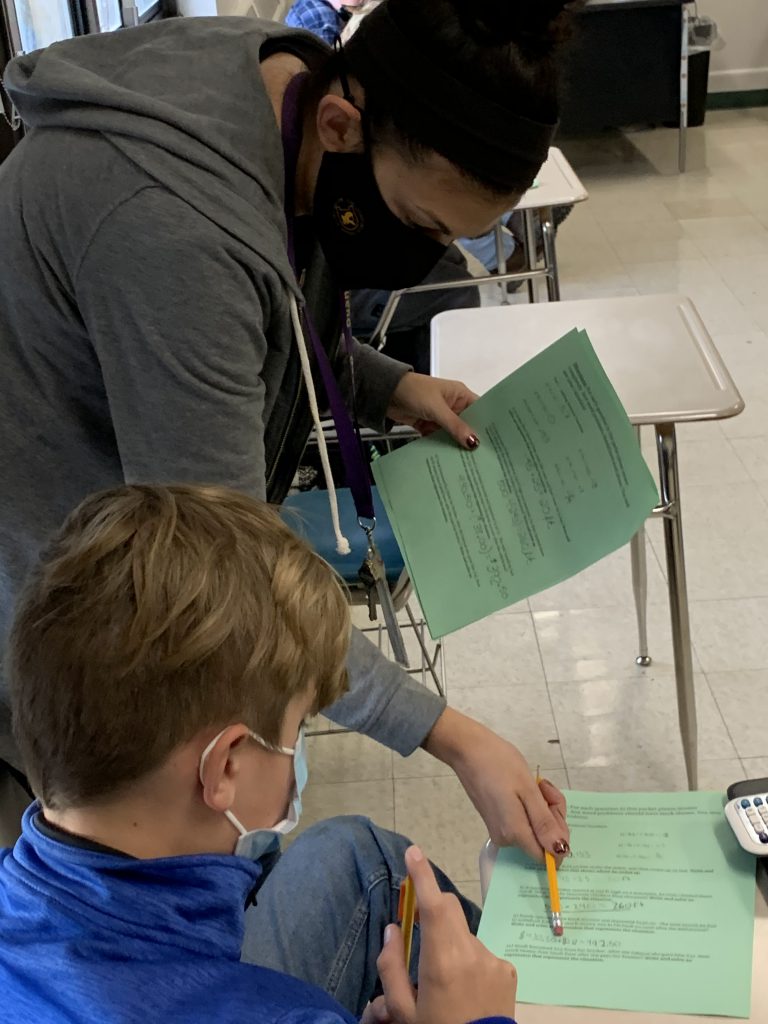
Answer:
x=365 y=244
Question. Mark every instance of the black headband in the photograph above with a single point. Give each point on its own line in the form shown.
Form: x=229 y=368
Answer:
x=476 y=133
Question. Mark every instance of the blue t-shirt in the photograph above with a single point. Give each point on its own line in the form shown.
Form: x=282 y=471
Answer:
x=316 y=16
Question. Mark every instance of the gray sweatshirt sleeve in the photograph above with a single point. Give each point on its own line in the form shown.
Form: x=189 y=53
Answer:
x=375 y=378
x=384 y=702
x=177 y=330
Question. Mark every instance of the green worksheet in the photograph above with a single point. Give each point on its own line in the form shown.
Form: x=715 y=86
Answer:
x=557 y=483
x=657 y=906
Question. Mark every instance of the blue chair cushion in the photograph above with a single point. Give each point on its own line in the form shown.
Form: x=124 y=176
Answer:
x=309 y=515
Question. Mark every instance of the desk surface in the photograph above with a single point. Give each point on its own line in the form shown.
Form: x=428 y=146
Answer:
x=557 y=185
x=654 y=348
x=579 y=1015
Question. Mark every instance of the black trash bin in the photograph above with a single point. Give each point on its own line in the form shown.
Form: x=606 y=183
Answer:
x=698 y=83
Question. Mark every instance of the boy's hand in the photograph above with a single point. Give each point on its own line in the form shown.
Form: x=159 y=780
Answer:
x=459 y=979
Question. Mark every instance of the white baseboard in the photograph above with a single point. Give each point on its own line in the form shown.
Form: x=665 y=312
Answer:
x=742 y=80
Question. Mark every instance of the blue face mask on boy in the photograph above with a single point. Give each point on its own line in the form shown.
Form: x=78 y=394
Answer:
x=257 y=843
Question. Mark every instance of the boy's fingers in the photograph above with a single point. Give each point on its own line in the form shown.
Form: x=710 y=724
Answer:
x=398 y=991
x=428 y=894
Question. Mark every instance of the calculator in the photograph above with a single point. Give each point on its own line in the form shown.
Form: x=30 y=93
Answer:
x=747 y=814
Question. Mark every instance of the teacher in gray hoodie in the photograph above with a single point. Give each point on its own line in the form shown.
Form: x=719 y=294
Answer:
x=191 y=198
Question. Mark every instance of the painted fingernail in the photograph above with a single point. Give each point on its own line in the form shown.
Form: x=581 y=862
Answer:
x=473 y=441
x=561 y=846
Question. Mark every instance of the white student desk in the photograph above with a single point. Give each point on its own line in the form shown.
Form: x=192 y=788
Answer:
x=666 y=370
x=529 y=1014
x=557 y=184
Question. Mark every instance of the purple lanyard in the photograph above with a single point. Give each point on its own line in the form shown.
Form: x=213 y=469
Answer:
x=347 y=431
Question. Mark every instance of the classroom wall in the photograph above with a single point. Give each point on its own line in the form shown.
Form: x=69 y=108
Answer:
x=742 y=64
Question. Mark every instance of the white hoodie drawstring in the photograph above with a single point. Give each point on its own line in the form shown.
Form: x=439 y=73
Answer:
x=342 y=544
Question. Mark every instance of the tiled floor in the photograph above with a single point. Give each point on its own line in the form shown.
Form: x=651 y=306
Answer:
x=557 y=674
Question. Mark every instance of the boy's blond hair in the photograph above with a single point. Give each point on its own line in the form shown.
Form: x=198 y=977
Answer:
x=158 y=612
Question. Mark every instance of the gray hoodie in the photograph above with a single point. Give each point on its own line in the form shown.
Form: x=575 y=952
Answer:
x=144 y=321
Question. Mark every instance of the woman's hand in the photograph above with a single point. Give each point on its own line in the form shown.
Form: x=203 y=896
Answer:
x=430 y=403
x=459 y=979
x=500 y=785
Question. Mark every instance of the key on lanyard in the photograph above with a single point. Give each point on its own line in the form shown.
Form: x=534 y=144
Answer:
x=373 y=576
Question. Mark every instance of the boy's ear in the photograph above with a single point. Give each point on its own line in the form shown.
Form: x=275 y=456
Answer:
x=218 y=774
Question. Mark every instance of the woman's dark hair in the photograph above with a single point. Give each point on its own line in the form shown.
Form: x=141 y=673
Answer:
x=506 y=52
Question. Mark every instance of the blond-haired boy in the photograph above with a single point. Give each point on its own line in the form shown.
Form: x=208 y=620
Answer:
x=164 y=657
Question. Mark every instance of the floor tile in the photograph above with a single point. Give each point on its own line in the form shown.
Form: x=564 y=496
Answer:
x=740 y=225
x=609 y=722
x=686 y=209
x=725 y=537
x=730 y=635
x=499 y=651
x=744 y=275
x=327 y=799
x=753 y=453
x=755 y=767
x=349 y=757
x=652 y=250
x=601 y=643
x=741 y=696
x=519 y=714
x=603 y=585
x=711 y=460
x=662 y=776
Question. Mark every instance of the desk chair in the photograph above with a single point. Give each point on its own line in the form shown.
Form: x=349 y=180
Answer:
x=307 y=514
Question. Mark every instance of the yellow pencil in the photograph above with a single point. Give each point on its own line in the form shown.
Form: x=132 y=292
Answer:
x=406 y=915
x=554 y=892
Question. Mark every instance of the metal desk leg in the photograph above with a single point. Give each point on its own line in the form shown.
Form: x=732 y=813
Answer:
x=530 y=253
x=640 y=588
x=550 y=256
x=666 y=445
x=682 y=153
x=501 y=261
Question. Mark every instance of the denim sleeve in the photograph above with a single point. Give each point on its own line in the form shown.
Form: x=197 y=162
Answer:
x=383 y=701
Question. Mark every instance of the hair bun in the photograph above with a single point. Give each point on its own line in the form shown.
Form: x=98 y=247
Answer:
x=525 y=22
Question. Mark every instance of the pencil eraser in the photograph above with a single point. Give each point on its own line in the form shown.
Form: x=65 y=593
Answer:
x=558 y=929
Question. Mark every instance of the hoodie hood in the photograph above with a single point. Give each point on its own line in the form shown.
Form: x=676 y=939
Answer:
x=184 y=100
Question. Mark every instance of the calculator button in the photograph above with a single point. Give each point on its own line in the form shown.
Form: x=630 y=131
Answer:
x=755 y=821
x=757 y=801
x=764 y=813
x=745 y=803
x=763 y=837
